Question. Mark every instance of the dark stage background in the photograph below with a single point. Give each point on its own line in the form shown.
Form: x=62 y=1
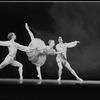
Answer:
x=73 y=21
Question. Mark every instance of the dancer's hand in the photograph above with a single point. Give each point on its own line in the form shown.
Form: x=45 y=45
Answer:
x=26 y=25
x=78 y=41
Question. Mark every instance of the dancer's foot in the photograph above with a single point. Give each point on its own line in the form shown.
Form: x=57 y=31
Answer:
x=39 y=82
x=79 y=79
x=59 y=80
x=39 y=77
x=1 y=67
x=21 y=80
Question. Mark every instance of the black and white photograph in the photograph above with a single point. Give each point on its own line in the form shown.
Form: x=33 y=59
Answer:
x=50 y=50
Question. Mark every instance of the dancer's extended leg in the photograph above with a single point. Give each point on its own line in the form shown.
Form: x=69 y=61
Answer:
x=39 y=72
x=20 y=69
x=60 y=70
x=5 y=62
x=67 y=65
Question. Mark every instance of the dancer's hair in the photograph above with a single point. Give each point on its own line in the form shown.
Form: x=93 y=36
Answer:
x=50 y=41
x=10 y=35
x=60 y=37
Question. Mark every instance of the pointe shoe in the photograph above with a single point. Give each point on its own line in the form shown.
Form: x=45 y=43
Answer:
x=39 y=82
x=39 y=77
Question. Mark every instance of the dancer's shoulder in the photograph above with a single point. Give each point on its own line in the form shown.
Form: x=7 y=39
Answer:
x=57 y=45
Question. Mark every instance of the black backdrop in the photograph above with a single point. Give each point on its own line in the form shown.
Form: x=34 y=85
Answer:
x=48 y=20
x=73 y=21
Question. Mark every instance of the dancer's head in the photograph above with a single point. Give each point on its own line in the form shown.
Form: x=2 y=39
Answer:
x=60 y=40
x=11 y=36
x=51 y=43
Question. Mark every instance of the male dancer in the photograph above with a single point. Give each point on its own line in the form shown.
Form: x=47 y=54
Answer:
x=10 y=58
x=62 y=58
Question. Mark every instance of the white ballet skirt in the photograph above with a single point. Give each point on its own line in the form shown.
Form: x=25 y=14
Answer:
x=35 y=56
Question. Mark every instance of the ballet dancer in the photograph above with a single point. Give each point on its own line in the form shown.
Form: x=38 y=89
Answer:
x=12 y=48
x=62 y=57
x=39 y=52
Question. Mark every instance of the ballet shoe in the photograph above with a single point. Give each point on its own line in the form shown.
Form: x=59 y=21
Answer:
x=79 y=79
x=21 y=81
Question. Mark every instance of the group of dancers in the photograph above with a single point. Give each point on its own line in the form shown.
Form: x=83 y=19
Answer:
x=37 y=52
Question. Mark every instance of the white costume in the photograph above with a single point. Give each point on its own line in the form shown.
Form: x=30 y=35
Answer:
x=63 y=48
x=62 y=58
x=10 y=58
x=39 y=52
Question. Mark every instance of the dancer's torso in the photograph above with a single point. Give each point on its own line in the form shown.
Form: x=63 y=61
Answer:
x=62 y=48
x=12 y=50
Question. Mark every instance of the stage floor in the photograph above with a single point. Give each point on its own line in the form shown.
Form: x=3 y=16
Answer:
x=49 y=88
x=48 y=81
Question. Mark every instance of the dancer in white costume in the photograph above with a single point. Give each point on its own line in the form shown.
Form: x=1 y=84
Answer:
x=38 y=56
x=62 y=58
x=10 y=58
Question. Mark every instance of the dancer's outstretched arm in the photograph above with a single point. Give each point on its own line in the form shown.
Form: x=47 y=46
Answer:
x=30 y=33
x=71 y=44
x=23 y=48
x=58 y=52
x=4 y=43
